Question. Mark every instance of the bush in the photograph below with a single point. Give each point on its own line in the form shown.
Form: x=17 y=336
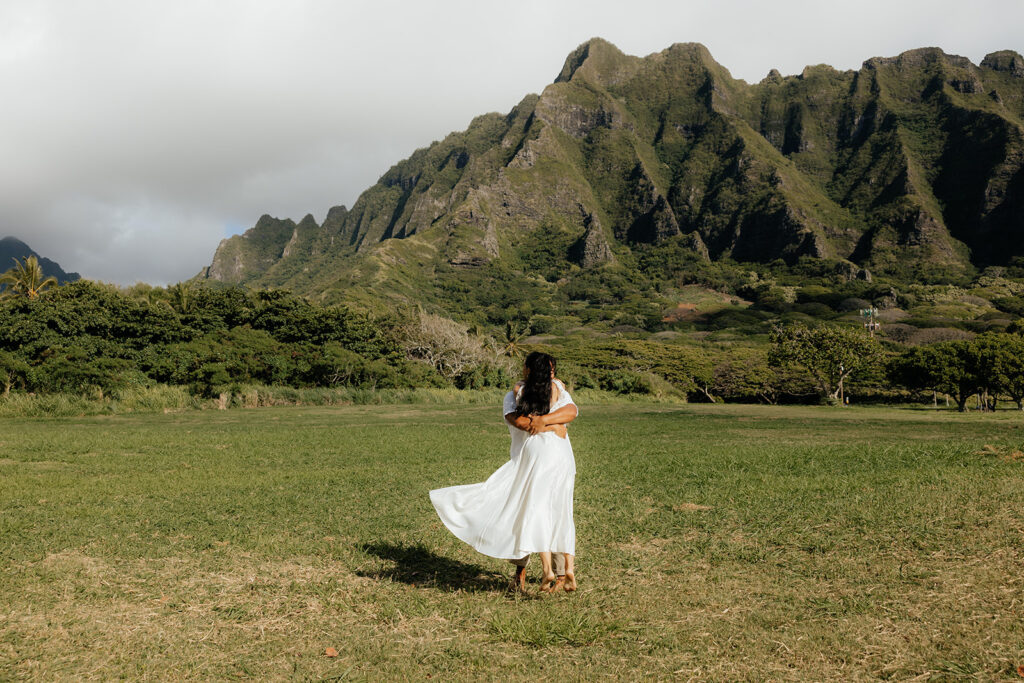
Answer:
x=932 y=335
x=1010 y=304
x=335 y=365
x=815 y=310
x=626 y=382
x=445 y=345
x=853 y=304
x=484 y=376
x=13 y=372
x=74 y=371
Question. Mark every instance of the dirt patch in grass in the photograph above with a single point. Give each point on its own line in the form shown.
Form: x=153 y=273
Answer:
x=690 y=507
x=1005 y=453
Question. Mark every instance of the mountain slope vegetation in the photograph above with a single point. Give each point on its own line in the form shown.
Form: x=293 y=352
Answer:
x=627 y=176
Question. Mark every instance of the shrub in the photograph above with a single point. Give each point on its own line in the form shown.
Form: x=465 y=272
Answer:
x=74 y=371
x=13 y=372
x=853 y=304
x=815 y=310
x=444 y=345
x=932 y=335
x=626 y=382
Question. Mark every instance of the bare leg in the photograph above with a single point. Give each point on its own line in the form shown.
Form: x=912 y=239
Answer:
x=570 y=573
x=519 y=578
x=558 y=562
x=548 y=575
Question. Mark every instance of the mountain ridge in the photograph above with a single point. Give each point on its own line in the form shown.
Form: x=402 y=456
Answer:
x=910 y=165
x=13 y=248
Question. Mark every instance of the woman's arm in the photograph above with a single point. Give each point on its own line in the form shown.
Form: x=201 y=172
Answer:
x=513 y=418
x=563 y=415
x=519 y=421
x=536 y=424
x=541 y=423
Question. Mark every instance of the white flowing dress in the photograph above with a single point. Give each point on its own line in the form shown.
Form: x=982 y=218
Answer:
x=526 y=505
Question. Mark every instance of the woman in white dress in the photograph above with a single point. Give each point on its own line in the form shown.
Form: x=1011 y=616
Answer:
x=526 y=505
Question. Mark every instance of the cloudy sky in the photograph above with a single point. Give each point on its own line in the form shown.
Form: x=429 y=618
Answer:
x=135 y=135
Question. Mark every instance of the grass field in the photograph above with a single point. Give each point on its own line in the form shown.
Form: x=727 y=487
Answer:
x=715 y=543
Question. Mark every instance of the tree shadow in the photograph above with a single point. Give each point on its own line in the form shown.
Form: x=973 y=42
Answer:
x=418 y=566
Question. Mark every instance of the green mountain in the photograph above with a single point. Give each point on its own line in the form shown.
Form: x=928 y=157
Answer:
x=626 y=170
x=12 y=248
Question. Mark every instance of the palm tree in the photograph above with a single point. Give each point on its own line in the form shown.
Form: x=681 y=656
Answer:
x=514 y=334
x=26 y=279
x=181 y=296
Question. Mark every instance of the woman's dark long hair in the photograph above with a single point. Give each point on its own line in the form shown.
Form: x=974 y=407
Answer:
x=535 y=398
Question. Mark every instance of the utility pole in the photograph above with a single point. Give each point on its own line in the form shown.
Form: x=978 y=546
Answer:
x=870 y=325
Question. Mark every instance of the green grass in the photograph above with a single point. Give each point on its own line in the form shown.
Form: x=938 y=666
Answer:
x=714 y=543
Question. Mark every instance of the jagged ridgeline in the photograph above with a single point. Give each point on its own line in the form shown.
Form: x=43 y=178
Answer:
x=12 y=249
x=906 y=165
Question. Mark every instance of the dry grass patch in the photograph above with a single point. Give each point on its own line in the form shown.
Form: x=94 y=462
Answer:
x=151 y=612
x=688 y=507
x=1008 y=454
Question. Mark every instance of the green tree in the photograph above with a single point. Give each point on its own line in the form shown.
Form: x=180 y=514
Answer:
x=26 y=279
x=182 y=297
x=744 y=375
x=95 y=318
x=947 y=367
x=13 y=370
x=628 y=366
x=512 y=341
x=75 y=370
x=829 y=353
x=1000 y=365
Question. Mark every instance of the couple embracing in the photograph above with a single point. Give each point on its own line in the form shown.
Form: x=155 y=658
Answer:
x=525 y=507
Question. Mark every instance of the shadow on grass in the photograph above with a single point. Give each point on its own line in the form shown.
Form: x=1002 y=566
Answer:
x=418 y=566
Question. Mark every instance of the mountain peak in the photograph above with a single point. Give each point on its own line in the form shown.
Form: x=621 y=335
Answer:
x=9 y=243
x=1005 y=60
x=697 y=50
x=594 y=50
x=12 y=248
x=918 y=58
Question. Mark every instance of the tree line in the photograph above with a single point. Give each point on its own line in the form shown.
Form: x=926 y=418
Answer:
x=989 y=366
x=90 y=338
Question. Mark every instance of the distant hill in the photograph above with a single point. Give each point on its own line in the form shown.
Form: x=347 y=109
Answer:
x=12 y=248
x=909 y=167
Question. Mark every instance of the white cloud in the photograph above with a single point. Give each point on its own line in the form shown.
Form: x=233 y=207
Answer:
x=134 y=131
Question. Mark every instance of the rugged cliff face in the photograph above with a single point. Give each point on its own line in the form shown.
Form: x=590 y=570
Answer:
x=910 y=163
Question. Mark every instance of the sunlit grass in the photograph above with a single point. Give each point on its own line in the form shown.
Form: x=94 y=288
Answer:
x=715 y=542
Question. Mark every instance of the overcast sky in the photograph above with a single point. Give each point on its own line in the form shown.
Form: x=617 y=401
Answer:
x=135 y=135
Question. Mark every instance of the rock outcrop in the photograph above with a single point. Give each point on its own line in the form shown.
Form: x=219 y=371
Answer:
x=592 y=249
